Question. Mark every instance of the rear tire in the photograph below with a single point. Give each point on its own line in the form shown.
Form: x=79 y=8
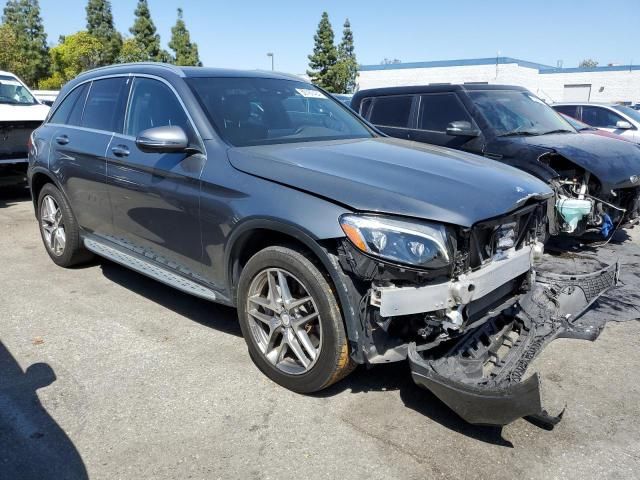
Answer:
x=291 y=321
x=59 y=228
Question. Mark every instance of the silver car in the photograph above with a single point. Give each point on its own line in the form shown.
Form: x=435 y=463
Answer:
x=618 y=119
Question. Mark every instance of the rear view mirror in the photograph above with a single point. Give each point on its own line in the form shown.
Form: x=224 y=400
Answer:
x=163 y=140
x=623 y=125
x=462 y=128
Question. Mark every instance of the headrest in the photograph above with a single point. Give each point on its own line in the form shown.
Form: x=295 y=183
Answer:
x=236 y=108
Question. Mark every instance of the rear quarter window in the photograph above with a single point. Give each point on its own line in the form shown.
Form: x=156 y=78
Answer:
x=69 y=112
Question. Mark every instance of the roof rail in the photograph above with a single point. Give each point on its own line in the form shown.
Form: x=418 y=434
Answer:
x=168 y=66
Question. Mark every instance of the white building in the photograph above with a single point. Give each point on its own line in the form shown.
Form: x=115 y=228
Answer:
x=598 y=84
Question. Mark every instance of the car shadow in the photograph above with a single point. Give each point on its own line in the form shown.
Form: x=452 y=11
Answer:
x=32 y=444
x=13 y=195
x=209 y=314
x=397 y=377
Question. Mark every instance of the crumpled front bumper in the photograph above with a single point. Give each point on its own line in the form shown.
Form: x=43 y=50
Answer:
x=480 y=374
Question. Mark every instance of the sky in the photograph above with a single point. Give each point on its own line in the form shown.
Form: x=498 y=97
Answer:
x=238 y=34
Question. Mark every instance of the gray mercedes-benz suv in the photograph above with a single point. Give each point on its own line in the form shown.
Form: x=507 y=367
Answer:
x=337 y=245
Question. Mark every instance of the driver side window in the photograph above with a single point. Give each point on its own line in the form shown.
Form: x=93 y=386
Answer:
x=153 y=104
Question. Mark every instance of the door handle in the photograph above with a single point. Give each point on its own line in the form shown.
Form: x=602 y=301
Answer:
x=120 y=151
x=62 y=140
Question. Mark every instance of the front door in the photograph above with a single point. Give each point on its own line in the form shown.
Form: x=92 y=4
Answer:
x=155 y=196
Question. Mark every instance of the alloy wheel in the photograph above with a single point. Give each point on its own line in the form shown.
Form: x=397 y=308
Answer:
x=52 y=225
x=284 y=321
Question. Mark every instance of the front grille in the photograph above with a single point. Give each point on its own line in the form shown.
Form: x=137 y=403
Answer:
x=14 y=137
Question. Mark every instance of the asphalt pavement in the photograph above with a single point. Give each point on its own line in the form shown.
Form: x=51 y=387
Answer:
x=105 y=374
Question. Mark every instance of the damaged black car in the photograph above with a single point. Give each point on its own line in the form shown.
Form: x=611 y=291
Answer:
x=596 y=180
x=337 y=245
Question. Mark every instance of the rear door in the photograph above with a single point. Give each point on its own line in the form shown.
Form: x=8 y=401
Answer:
x=86 y=121
x=392 y=114
x=155 y=196
x=435 y=112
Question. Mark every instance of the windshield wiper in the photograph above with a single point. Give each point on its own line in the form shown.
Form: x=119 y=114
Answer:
x=517 y=132
x=559 y=130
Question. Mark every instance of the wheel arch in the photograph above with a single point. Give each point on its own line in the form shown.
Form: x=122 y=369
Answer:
x=37 y=180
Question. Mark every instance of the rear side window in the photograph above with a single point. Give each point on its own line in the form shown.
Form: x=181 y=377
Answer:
x=104 y=109
x=365 y=106
x=391 y=111
x=70 y=110
x=600 y=117
x=153 y=104
x=438 y=110
x=570 y=110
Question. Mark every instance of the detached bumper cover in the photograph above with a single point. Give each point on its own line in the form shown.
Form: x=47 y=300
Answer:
x=480 y=375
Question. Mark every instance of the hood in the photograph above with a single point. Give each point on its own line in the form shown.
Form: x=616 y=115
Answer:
x=611 y=160
x=13 y=113
x=394 y=176
x=604 y=133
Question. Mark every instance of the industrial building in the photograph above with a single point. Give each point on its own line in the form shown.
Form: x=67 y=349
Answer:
x=616 y=83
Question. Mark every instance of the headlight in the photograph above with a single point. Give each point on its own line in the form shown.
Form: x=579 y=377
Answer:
x=420 y=244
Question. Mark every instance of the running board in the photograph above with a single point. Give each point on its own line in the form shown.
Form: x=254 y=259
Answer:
x=152 y=270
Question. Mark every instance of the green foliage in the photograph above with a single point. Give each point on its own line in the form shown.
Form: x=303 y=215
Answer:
x=186 y=52
x=72 y=56
x=144 y=32
x=131 y=51
x=9 y=52
x=23 y=17
x=588 y=63
x=100 y=25
x=324 y=57
x=346 y=67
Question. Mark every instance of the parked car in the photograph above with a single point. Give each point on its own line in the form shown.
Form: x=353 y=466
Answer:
x=344 y=98
x=47 y=97
x=20 y=114
x=619 y=119
x=337 y=245
x=596 y=180
x=584 y=128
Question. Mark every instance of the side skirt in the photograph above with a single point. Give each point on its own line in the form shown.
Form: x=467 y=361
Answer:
x=151 y=269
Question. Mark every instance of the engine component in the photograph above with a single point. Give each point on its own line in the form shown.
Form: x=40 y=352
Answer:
x=572 y=211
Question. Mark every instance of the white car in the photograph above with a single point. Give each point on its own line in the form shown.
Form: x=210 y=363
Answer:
x=618 y=119
x=20 y=114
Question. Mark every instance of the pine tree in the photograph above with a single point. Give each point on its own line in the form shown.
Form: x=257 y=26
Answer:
x=23 y=16
x=347 y=66
x=100 y=25
x=324 y=57
x=186 y=52
x=144 y=31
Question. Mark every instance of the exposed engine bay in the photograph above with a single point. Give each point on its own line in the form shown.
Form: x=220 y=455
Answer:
x=583 y=206
x=470 y=330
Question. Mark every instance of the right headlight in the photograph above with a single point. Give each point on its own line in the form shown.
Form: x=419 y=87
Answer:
x=419 y=244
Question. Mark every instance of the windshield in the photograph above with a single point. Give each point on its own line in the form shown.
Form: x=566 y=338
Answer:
x=14 y=92
x=261 y=111
x=516 y=112
x=628 y=111
x=577 y=124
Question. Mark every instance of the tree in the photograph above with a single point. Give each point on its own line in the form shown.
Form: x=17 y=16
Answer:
x=144 y=32
x=23 y=16
x=131 y=51
x=100 y=25
x=388 y=61
x=346 y=68
x=588 y=63
x=72 y=56
x=9 y=53
x=324 y=57
x=186 y=52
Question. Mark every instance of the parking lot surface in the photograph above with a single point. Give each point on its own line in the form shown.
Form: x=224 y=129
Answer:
x=107 y=374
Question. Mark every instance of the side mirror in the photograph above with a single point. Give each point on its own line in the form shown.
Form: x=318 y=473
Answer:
x=163 y=140
x=623 y=125
x=462 y=129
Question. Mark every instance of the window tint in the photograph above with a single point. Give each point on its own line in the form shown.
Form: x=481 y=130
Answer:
x=391 y=111
x=104 y=109
x=571 y=110
x=439 y=110
x=600 y=117
x=70 y=110
x=153 y=104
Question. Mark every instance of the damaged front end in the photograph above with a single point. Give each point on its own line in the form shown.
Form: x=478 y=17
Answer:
x=471 y=326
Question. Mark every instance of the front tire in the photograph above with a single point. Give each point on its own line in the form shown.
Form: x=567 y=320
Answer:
x=59 y=228
x=291 y=321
